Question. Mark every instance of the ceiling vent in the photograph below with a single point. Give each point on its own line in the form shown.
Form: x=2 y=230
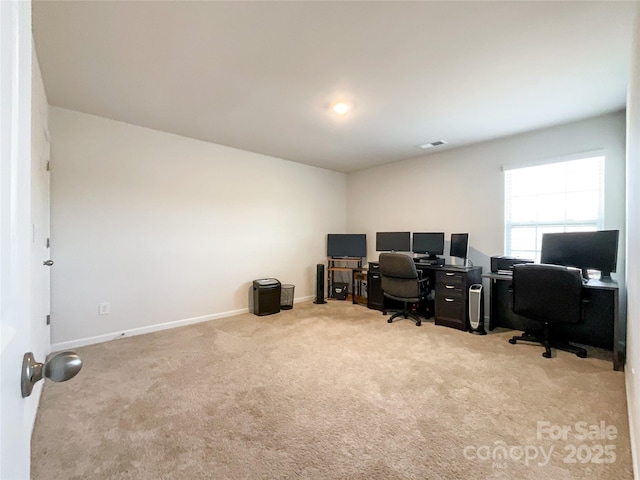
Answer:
x=437 y=143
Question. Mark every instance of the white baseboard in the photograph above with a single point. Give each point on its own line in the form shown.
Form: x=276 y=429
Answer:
x=81 y=342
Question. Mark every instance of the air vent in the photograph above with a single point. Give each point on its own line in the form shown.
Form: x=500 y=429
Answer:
x=437 y=143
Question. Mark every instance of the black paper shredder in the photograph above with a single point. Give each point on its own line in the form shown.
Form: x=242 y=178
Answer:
x=266 y=296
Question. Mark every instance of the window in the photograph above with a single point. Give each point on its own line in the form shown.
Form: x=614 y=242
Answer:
x=566 y=196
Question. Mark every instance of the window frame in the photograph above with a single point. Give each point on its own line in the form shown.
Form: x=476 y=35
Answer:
x=562 y=225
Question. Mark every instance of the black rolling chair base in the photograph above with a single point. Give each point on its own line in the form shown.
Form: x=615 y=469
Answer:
x=548 y=345
x=406 y=314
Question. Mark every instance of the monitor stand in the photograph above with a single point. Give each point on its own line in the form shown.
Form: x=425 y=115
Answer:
x=585 y=273
x=605 y=276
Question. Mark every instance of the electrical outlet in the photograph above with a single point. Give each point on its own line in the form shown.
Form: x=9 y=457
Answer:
x=104 y=308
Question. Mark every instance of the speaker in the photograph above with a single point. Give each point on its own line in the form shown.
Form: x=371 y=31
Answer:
x=320 y=284
x=476 y=309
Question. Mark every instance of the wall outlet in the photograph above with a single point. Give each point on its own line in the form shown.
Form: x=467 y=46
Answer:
x=104 y=308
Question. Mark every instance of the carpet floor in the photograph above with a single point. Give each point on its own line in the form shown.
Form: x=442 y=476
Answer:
x=331 y=392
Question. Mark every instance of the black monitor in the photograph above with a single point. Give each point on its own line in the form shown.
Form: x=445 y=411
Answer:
x=459 y=245
x=393 y=241
x=353 y=245
x=585 y=250
x=430 y=243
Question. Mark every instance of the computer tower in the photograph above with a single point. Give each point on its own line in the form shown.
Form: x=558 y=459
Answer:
x=375 y=297
x=320 y=284
x=266 y=296
x=476 y=309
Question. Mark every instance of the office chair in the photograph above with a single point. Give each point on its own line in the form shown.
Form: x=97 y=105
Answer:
x=550 y=294
x=401 y=281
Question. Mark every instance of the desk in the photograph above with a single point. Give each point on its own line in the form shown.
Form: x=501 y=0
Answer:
x=601 y=326
x=451 y=284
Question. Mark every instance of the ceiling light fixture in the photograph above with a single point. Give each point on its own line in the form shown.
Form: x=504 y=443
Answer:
x=340 y=108
x=437 y=143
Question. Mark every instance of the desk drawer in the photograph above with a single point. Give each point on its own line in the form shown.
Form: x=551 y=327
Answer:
x=450 y=311
x=449 y=283
x=451 y=290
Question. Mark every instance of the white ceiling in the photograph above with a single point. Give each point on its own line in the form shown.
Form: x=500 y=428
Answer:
x=261 y=76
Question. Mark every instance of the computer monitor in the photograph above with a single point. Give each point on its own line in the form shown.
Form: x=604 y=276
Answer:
x=353 y=245
x=431 y=243
x=393 y=241
x=459 y=245
x=596 y=250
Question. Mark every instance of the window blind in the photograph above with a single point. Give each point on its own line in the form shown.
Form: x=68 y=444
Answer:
x=562 y=196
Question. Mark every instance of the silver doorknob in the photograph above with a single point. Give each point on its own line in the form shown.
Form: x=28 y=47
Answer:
x=62 y=367
x=48 y=263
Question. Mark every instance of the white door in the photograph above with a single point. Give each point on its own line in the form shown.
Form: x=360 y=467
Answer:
x=19 y=331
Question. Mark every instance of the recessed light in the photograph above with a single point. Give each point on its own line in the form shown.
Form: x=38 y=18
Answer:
x=340 y=108
x=437 y=143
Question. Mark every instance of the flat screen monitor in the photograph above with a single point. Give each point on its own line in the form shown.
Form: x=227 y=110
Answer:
x=585 y=250
x=352 y=245
x=431 y=243
x=459 y=245
x=393 y=241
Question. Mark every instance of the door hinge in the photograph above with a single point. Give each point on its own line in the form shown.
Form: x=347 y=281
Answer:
x=48 y=166
x=48 y=319
x=48 y=243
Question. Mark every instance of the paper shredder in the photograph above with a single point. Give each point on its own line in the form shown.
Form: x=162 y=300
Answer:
x=266 y=296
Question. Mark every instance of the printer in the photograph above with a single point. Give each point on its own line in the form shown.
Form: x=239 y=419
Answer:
x=504 y=264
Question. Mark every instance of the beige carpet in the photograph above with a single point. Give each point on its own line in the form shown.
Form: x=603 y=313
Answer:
x=330 y=392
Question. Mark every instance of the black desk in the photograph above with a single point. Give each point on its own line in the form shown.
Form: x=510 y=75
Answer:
x=450 y=302
x=601 y=327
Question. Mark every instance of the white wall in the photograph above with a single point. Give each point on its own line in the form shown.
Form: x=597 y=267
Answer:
x=633 y=248
x=171 y=229
x=462 y=190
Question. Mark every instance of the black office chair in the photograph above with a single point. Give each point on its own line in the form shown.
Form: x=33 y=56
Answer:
x=402 y=281
x=550 y=294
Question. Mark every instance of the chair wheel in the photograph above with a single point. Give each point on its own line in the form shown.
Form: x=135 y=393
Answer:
x=389 y=321
x=546 y=354
x=418 y=323
x=512 y=341
x=582 y=354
